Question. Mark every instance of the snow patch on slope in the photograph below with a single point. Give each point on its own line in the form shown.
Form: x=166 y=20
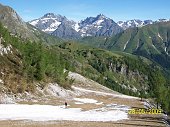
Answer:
x=166 y=50
x=76 y=27
x=98 y=22
x=48 y=113
x=56 y=90
x=103 y=93
x=1 y=81
x=52 y=27
x=5 y=99
x=35 y=22
x=137 y=46
x=86 y=100
x=5 y=50
x=155 y=48
x=160 y=36
x=125 y=45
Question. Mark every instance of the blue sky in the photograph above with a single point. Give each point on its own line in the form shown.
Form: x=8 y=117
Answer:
x=80 y=9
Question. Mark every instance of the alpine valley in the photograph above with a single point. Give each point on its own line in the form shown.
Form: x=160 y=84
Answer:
x=103 y=69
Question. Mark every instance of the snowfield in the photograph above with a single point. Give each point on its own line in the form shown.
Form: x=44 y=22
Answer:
x=86 y=100
x=79 y=97
x=49 y=113
x=103 y=93
x=5 y=99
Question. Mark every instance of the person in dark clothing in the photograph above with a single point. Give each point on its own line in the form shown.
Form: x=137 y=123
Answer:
x=65 y=104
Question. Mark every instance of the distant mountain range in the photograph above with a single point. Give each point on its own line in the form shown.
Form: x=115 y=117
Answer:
x=62 y=27
x=91 y=26
x=138 y=23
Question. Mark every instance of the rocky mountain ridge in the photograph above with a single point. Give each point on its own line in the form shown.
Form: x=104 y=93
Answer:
x=138 y=23
x=62 y=27
x=91 y=26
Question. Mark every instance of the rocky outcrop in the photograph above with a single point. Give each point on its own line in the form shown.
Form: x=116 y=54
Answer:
x=126 y=75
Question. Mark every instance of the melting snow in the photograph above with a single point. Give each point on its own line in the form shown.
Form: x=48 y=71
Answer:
x=125 y=45
x=88 y=35
x=79 y=103
x=98 y=22
x=114 y=107
x=166 y=50
x=56 y=90
x=86 y=100
x=4 y=99
x=55 y=24
x=120 y=24
x=99 y=26
x=49 y=29
x=160 y=36
x=76 y=27
x=1 y=81
x=103 y=93
x=52 y=27
x=5 y=50
x=48 y=113
x=34 y=22
x=155 y=48
x=137 y=46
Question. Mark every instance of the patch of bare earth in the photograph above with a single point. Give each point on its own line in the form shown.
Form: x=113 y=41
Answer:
x=137 y=121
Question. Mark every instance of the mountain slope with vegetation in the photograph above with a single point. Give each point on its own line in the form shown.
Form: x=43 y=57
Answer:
x=36 y=62
x=151 y=41
x=122 y=72
x=25 y=63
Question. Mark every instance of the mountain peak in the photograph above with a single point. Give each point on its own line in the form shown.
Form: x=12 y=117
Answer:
x=50 y=15
x=101 y=16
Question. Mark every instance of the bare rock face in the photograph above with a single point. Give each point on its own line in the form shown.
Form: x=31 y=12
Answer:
x=67 y=32
x=10 y=19
x=127 y=75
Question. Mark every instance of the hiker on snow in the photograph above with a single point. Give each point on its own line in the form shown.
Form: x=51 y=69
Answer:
x=65 y=104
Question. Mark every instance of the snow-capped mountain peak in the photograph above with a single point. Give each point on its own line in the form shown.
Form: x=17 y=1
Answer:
x=98 y=26
x=54 y=16
x=49 y=22
x=101 y=16
x=133 y=23
x=162 y=20
x=50 y=15
x=91 y=26
x=138 y=23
